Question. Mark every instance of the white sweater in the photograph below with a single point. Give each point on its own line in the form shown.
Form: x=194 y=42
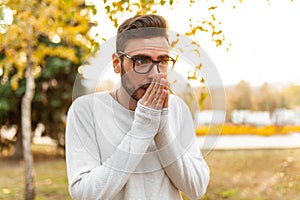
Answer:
x=111 y=152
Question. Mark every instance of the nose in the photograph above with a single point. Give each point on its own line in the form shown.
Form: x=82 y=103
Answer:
x=154 y=71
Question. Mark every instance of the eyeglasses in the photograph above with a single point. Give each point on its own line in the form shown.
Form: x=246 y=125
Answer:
x=143 y=65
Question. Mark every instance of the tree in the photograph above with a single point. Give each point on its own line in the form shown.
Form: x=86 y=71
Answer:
x=207 y=22
x=291 y=96
x=265 y=99
x=23 y=55
x=241 y=97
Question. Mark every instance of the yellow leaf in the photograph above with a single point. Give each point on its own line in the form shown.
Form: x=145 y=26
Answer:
x=14 y=83
x=6 y=191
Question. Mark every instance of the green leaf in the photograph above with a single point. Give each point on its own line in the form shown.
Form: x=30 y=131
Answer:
x=94 y=9
x=67 y=1
x=4 y=105
x=162 y=2
x=1 y=12
x=55 y=103
x=107 y=8
x=21 y=89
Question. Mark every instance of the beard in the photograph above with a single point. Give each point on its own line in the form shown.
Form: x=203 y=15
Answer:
x=129 y=87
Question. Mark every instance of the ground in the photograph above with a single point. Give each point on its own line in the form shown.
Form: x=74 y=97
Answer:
x=254 y=174
x=235 y=174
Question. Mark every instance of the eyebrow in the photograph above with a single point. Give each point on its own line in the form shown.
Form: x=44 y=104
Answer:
x=141 y=56
x=149 y=57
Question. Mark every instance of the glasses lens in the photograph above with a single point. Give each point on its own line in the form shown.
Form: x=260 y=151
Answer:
x=142 y=65
x=166 y=66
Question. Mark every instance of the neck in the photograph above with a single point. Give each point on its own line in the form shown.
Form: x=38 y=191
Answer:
x=124 y=99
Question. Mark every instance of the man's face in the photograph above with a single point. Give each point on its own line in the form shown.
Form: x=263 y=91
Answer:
x=155 y=48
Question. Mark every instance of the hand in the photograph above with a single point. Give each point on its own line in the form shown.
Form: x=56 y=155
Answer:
x=157 y=95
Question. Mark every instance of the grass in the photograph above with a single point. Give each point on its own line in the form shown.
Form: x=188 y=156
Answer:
x=50 y=180
x=254 y=174
x=238 y=174
x=49 y=171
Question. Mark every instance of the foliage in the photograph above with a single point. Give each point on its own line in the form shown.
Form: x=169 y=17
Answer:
x=291 y=96
x=233 y=129
x=265 y=100
x=9 y=104
x=54 y=96
x=209 y=24
x=267 y=97
x=65 y=24
x=241 y=100
x=114 y=8
x=58 y=44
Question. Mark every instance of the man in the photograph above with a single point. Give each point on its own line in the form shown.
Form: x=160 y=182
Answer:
x=137 y=142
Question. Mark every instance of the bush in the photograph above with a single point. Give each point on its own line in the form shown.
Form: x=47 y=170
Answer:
x=233 y=129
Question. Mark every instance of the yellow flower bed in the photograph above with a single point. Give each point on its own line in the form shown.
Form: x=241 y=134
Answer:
x=232 y=129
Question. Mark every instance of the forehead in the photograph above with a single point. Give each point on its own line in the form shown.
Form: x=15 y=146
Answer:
x=151 y=46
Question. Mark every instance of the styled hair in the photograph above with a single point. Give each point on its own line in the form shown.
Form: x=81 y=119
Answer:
x=141 y=26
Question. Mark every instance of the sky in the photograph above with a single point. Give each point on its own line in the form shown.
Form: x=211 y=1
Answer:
x=264 y=38
x=265 y=43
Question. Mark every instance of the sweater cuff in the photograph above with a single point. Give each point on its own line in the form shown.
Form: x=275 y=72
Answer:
x=164 y=119
x=146 y=122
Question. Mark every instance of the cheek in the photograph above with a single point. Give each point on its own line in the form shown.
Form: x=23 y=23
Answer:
x=134 y=78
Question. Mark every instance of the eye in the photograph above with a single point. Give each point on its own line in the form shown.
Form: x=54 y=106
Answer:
x=163 y=62
x=142 y=61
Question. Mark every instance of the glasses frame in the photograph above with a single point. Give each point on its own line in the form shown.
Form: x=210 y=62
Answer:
x=154 y=62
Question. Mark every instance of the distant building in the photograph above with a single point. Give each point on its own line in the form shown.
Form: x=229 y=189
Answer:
x=239 y=116
x=207 y=117
x=257 y=118
x=261 y=118
x=286 y=116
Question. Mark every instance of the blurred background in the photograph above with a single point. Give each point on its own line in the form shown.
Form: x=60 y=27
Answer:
x=48 y=48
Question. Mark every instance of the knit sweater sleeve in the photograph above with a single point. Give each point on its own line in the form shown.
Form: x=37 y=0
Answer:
x=88 y=176
x=180 y=153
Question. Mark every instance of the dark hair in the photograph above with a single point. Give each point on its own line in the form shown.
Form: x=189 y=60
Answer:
x=141 y=26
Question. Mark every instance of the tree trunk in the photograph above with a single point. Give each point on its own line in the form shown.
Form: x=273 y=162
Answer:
x=27 y=130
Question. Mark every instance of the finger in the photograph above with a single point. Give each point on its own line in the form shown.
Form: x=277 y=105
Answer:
x=149 y=89
x=163 y=94
x=160 y=89
x=166 y=84
x=160 y=101
x=153 y=93
x=166 y=102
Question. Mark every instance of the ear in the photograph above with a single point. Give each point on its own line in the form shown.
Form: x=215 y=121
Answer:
x=116 y=63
